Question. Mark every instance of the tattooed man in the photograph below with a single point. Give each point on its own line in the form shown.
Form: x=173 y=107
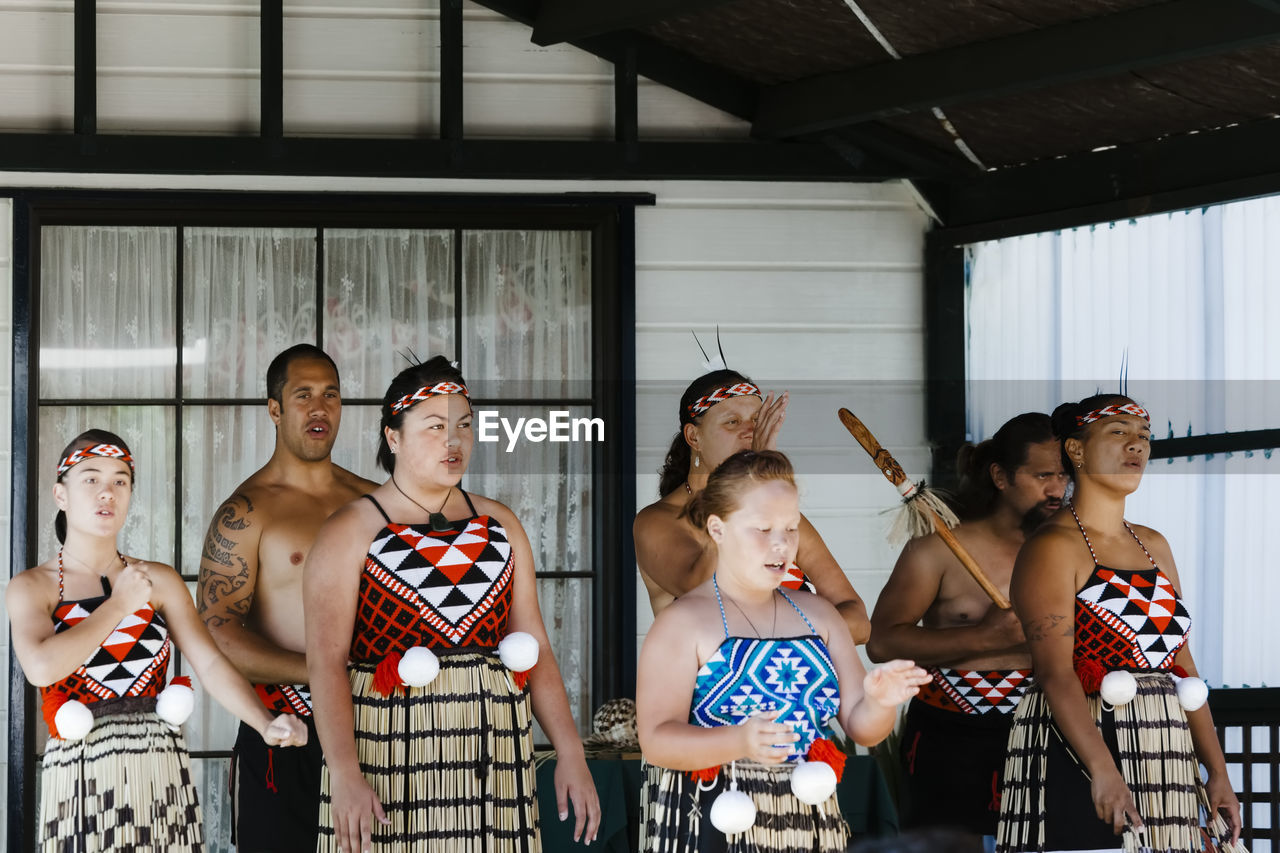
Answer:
x=251 y=593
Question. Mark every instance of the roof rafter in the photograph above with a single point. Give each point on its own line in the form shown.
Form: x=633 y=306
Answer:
x=711 y=85
x=1135 y=179
x=1096 y=47
x=566 y=20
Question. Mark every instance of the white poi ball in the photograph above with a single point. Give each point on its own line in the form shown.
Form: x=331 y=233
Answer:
x=418 y=666
x=1192 y=692
x=733 y=811
x=175 y=704
x=1118 y=687
x=813 y=782
x=518 y=651
x=73 y=720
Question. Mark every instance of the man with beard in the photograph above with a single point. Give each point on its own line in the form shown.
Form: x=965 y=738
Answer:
x=933 y=612
x=251 y=594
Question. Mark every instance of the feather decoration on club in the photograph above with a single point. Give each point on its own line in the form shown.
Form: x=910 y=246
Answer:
x=922 y=512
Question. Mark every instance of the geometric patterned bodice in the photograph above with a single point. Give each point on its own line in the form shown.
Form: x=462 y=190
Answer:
x=132 y=661
x=748 y=674
x=1128 y=618
x=440 y=589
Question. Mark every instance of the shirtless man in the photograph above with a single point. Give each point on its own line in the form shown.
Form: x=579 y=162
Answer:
x=933 y=612
x=251 y=593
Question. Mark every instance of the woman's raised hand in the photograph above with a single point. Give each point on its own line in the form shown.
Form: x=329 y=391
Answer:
x=773 y=411
x=894 y=682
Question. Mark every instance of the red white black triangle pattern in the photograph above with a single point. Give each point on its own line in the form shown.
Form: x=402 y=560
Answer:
x=1141 y=612
x=286 y=698
x=975 y=691
x=131 y=661
x=433 y=588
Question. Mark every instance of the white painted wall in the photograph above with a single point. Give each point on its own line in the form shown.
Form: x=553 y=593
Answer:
x=191 y=66
x=816 y=288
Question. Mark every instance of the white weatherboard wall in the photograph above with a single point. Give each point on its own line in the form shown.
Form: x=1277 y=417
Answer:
x=192 y=66
x=817 y=289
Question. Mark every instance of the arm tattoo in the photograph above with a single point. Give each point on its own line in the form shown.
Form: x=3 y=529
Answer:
x=227 y=590
x=1053 y=625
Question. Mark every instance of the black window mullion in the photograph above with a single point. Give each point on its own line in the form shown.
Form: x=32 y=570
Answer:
x=178 y=394
x=26 y=366
x=457 y=297
x=319 y=296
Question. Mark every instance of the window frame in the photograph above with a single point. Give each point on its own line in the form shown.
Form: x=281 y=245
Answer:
x=608 y=217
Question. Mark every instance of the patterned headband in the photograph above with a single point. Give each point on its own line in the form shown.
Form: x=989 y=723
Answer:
x=719 y=395
x=108 y=451
x=1108 y=411
x=440 y=389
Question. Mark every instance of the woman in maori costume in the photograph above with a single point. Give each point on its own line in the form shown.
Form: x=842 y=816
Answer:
x=92 y=629
x=425 y=722
x=1090 y=760
x=722 y=412
x=739 y=679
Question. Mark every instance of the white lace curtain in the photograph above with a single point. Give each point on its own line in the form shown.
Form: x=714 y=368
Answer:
x=1188 y=301
x=108 y=334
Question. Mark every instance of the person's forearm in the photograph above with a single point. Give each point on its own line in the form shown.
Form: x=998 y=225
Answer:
x=868 y=722
x=61 y=654
x=234 y=693
x=334 y=717
x=551 y=707
x=929 y=646
x=257 y=658
x=1204 y=736
x=1071 y=715
x=682 y=746
x=854 y=613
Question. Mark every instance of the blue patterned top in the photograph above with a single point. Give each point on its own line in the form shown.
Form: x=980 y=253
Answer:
x=747 y=675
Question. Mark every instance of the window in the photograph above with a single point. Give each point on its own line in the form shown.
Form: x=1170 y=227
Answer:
x=1186 y=302
x=158 y=323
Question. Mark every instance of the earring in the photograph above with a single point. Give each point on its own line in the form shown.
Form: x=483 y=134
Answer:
x=697 y=461
x=1080 y=464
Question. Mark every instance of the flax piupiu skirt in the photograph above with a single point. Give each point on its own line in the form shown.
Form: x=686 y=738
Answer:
x=451 y=763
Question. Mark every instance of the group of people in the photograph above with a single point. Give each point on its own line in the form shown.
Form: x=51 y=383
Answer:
x=384 y=648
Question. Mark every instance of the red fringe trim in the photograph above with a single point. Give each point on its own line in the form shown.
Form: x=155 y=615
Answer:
x=521 y=678
x=706 y=774
x=53 y=700
x=1178 y=671
x=826 y=751
x=1090 y=673
x=386 y=678
x=184 y=680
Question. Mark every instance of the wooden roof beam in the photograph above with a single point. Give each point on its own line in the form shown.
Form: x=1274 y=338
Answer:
x=1136 y=179
x=567 y=20
x=410 y=158
x=1097 y=47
